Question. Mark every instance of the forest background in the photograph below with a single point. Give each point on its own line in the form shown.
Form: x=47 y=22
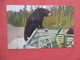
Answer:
x=62 y=16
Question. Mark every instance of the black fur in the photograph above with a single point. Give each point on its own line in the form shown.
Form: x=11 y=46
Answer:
x=71 y=30
x=35 y=21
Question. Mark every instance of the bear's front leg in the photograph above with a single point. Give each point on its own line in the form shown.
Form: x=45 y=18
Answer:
x=41 y=25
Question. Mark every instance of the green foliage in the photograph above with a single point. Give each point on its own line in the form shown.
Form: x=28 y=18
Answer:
x=62 y=21
x=63 y=16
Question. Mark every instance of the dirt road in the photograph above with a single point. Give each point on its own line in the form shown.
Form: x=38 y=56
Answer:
x=14 y=32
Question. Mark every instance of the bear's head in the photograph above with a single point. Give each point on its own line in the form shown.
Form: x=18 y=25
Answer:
x=47 y=12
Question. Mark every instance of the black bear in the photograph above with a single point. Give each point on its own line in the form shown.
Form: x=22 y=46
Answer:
x=35 y=21
x=71 y=30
